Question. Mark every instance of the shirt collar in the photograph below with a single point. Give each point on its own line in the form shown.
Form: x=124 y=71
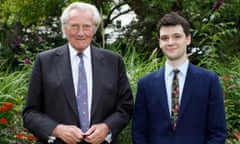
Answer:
x=74 y=52
x=182 y=68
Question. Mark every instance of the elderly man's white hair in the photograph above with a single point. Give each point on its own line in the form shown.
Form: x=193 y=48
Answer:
x=80 y=6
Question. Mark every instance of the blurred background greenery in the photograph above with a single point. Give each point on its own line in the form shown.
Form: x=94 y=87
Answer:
x=28 y=27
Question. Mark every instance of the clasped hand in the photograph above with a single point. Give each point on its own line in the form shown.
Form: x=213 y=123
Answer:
x=71 y=134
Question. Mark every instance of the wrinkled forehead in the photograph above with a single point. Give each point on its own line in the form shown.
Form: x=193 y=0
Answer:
x=80 y=13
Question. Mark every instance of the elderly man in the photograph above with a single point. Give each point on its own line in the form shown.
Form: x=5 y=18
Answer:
x=78 y=93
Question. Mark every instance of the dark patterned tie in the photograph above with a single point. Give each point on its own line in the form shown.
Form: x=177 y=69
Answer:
x=175 y=97
x=82 y=95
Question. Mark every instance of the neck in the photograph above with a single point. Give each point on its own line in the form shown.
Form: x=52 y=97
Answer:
x=176 y=63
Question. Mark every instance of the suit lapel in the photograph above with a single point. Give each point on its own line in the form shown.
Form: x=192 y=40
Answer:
x=98 y=77
x=160 y=85
x=63 y=67
x=189 y=87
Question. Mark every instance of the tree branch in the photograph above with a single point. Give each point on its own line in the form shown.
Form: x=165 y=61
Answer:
x=109 y=19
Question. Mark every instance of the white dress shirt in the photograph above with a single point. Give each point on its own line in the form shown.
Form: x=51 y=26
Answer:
x=169 y=78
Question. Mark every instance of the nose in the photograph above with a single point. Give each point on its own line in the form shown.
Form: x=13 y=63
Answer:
x=80 y=31
x=171 y=41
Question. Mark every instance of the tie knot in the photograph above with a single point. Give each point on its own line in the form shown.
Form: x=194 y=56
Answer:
x=80 y=55
x=176 y=71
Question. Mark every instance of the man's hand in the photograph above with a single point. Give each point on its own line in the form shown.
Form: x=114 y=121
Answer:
x=96 y=134
x=70 y=134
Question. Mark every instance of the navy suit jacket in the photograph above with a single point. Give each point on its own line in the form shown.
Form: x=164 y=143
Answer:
x=51 y=97
x=201 y=118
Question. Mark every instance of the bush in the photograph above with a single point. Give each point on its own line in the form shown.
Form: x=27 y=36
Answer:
x=12 y=98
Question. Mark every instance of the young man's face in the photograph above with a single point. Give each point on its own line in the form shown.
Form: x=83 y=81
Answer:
x=173 y=42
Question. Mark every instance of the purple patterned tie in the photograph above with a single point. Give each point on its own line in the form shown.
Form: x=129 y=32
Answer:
x=82 y=95
x=175 y=97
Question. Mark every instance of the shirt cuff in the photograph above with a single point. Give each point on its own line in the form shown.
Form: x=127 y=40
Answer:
x=108 y=138
x=51 y=139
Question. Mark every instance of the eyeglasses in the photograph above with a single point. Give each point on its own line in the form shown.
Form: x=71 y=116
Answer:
x=77 y=27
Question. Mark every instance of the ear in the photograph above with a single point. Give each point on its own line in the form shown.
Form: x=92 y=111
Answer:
x=188 y=39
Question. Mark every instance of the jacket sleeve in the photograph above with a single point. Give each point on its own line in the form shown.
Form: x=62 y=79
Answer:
x=216 y=122
x=34 y=119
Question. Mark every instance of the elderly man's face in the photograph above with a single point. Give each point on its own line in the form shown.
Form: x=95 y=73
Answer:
x=79 y=29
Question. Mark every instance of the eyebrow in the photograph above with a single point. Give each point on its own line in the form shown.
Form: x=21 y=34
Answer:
x=171 y=34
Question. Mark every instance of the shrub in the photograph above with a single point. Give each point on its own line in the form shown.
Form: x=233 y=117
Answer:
x=12 y=98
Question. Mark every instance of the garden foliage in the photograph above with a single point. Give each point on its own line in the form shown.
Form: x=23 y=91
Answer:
x=215 y=46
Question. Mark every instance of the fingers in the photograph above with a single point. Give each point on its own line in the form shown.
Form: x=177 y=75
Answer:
x=71 y=134
x=90 y=131
x=96 y=134
x=68 y=133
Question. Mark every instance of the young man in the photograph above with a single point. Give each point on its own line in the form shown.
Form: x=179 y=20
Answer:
x=180 y=103
x=78 y=93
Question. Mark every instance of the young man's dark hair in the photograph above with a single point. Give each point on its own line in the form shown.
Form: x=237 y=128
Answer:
x=172 y=19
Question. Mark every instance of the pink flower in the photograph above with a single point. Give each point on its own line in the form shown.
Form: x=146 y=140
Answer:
x=218 y=4
x=17 y=42
x=27 y=61
x=40 y=39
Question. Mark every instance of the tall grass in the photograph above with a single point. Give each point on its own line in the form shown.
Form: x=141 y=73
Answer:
x=137 y=65
x=13 y=88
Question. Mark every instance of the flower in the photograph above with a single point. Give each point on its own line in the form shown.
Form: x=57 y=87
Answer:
x=27 y=61
x=31 y=138
x=20 y=136
x=3 y=121
x=217 y=4
x=17 y=42
x=237 y=135
x=40 y=39
x=6 y=106
x=11 y=128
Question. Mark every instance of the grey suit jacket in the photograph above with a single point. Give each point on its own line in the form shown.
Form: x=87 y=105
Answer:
x=51 y=98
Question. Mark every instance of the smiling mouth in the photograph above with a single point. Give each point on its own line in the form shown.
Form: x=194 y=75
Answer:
x=80 y=39
x=171 y=49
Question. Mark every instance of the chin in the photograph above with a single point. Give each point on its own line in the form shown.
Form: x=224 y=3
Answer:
x=172 y=58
